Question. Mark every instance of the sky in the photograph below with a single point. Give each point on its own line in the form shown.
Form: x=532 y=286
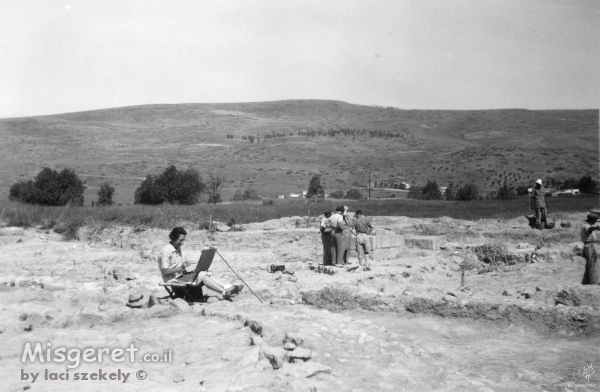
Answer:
x=66 y=56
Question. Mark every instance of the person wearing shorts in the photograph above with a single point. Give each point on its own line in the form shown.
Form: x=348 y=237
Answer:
x=363 y=227
x=172 y=267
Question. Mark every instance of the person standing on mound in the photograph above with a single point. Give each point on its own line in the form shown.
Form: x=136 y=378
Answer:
x=538 y=204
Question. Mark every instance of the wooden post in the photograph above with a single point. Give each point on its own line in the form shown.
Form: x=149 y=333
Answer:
x=105 y=271
x=209 y=222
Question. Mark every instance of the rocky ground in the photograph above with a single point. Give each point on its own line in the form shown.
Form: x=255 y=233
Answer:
x=407 y=325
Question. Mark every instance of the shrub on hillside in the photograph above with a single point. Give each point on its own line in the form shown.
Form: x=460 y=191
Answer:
x=214 y=187
x=105 y=194
x=450 y=193
x=314 y=187
x=50 y=188
x=238 y=196
x=467 y=192
x=587 y=185
x=337 y=195
x=171 y=186
x=250 y=194
x=506 y=193
x=353 y=194
x=570 y=183
x=415 y=192
x=521 y=190
x=431 y=191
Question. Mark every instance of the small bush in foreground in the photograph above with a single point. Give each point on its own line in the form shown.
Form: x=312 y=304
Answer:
x=495 y=254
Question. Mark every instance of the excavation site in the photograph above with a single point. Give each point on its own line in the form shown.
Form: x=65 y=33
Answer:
x=448 y=305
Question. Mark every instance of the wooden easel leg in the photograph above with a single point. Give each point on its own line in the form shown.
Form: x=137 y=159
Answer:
x=171 y=293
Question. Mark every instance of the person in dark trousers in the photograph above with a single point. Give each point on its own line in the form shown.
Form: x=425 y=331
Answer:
x=349 y=223
x=590 y=253
x=326 y=238
x=538 y=204
x=340 y=241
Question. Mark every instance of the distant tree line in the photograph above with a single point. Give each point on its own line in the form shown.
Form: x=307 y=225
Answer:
x=585 y=184
x=354 y=132
x=53 y=188
x=431 y=191
x=316 y=190
x=248 y=194
x=274 y=134
x=333 y=133
x=251 y=138
x=353 y=194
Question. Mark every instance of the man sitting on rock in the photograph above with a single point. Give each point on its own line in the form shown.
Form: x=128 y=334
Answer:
x=172 y=267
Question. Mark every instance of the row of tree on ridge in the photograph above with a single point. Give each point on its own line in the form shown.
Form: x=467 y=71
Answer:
x=173 y=186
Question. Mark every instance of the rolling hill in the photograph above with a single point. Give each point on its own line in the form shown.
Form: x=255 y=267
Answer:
x=293 y=139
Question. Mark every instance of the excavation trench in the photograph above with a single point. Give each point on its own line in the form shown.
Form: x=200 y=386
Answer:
x=539 y=317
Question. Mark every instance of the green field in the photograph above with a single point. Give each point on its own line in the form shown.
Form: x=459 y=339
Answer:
x=168 y=216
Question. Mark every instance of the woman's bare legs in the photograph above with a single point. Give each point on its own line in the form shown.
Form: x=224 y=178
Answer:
x=213 y=284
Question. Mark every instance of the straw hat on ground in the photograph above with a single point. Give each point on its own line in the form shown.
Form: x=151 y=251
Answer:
x=138 y=299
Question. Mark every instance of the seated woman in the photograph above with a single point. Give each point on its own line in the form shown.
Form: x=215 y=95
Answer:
x=172 y=266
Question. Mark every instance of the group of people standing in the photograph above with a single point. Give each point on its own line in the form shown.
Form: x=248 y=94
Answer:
x=336 y=235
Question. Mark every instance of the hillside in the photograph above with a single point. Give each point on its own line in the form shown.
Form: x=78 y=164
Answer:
x=341 y=141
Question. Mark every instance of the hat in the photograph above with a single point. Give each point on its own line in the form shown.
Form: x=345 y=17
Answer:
x=340 y=208
x=539 y=181
x=593 y=215
x=137 y=299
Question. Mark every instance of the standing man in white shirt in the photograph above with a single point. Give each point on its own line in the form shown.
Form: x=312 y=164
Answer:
x=538 y=204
